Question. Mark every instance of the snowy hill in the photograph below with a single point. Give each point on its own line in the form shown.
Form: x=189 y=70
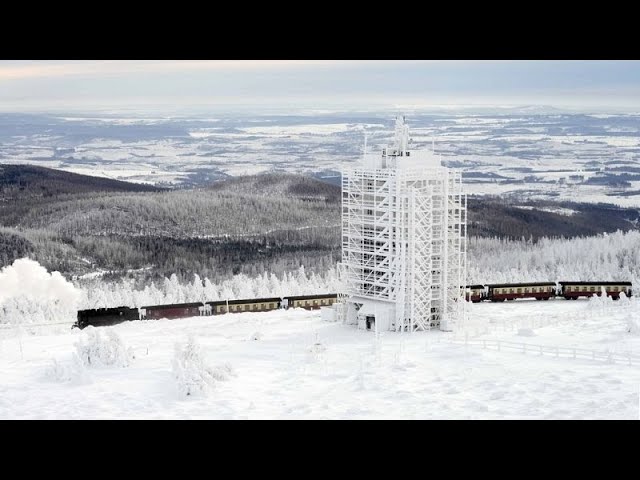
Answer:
x=27 y=181
x=281 y=185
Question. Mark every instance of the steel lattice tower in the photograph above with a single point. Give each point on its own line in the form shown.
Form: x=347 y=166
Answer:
x=404 y=240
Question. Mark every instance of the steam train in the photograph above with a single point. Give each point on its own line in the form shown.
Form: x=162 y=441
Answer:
x=499 y=292
x=474 y=293
x=111 y=316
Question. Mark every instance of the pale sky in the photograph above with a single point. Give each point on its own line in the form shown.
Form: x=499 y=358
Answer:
x=176 y=85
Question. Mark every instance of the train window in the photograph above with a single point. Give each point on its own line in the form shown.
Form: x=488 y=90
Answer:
x=593 y=289
x=519 y=290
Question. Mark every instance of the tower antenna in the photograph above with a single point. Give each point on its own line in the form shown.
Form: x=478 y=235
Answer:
x=364 y=153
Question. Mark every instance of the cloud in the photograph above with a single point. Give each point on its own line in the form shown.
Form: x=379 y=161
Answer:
x=41 y=69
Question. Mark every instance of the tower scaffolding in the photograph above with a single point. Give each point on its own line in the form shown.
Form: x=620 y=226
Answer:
x=403 y=240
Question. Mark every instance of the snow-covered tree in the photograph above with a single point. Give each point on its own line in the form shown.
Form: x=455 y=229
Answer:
x=193 y=376
x=103 y=347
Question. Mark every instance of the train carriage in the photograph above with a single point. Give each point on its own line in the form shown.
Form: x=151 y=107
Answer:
x=573 y=290
x=310 y=302
x=172 y=311
x=499 y=292
x=474 y=293
x=249 y=305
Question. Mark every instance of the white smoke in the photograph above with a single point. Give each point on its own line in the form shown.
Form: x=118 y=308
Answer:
x=30 y=294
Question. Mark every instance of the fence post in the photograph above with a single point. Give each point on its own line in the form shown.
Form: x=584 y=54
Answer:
x=524 y=348
x=498 y=345
x=484 y=344
x=541 y=350
x=574 y=353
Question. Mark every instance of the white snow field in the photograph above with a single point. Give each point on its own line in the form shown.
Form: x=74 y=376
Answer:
x=291 y=365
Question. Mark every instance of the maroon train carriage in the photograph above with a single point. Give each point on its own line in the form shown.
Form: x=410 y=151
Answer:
x=499 y=292
x=249 y=305
x=176 y=310
x=573 y=290
x=474 y=293
x=310 y=302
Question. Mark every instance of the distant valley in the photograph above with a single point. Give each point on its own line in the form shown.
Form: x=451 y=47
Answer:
x=528 y=154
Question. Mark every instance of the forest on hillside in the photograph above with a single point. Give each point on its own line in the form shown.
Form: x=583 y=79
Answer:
x=272 y=223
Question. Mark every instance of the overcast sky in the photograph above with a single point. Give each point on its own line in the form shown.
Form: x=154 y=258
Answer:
x=173 y=86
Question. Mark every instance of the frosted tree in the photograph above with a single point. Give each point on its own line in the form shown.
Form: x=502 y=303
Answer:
x=301 y=279
x=210 y=291
x=197 y=293
x=193 y=376
x=242 y=287
x=106 y=348
x=275 y=286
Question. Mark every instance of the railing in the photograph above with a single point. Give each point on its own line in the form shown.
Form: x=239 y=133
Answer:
x=550 y=350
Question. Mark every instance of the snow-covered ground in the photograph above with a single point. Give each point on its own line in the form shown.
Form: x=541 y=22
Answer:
x=290 y=364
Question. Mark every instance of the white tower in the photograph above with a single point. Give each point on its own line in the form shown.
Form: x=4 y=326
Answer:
x=404 y=244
